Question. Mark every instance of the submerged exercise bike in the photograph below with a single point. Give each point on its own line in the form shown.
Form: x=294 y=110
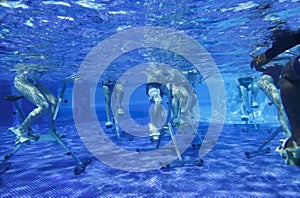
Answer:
x=169 y=128
x=264 y=148
x=53 y=134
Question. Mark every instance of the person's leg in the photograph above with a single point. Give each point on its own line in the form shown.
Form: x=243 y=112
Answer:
x=193 y=104
x=290 y=94
x=184 y=104
x=107 y=96
x=175 y=109
x=244 y=102
x=33 y=94
x=266 y=84
x=157 y=112
x=51 y=99
x=192 y=98
x=184 y=99
x=120 y=94
x=175 y=105
x=253 y=87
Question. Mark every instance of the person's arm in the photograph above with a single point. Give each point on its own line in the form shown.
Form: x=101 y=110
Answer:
x=281 y=44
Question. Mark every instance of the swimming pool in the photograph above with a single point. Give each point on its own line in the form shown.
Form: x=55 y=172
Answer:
x=59 y=38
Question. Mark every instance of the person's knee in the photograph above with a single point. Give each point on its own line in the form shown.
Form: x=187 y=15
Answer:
x=41 y=108
x=155 y=96
x=44 y=106
x=157 y=99
x=107 y=90
x=253 y=87
x=263 y=81
x=53 y=101
x=18 y=83
x=119 y=88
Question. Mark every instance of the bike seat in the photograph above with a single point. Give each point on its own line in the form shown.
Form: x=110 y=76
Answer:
x=12 y=98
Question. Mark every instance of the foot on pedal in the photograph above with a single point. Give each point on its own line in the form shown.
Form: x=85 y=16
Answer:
x=33 y=136
x=21 y=137
x=154 y=132
x=245 y=118
x=120 y=111
x=166 y=128
x=81 y=166
x=291 y=155
x=254 y=105
x=108 y=124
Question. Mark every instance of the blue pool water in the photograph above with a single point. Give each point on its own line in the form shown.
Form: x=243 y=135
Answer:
x=58 y=38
